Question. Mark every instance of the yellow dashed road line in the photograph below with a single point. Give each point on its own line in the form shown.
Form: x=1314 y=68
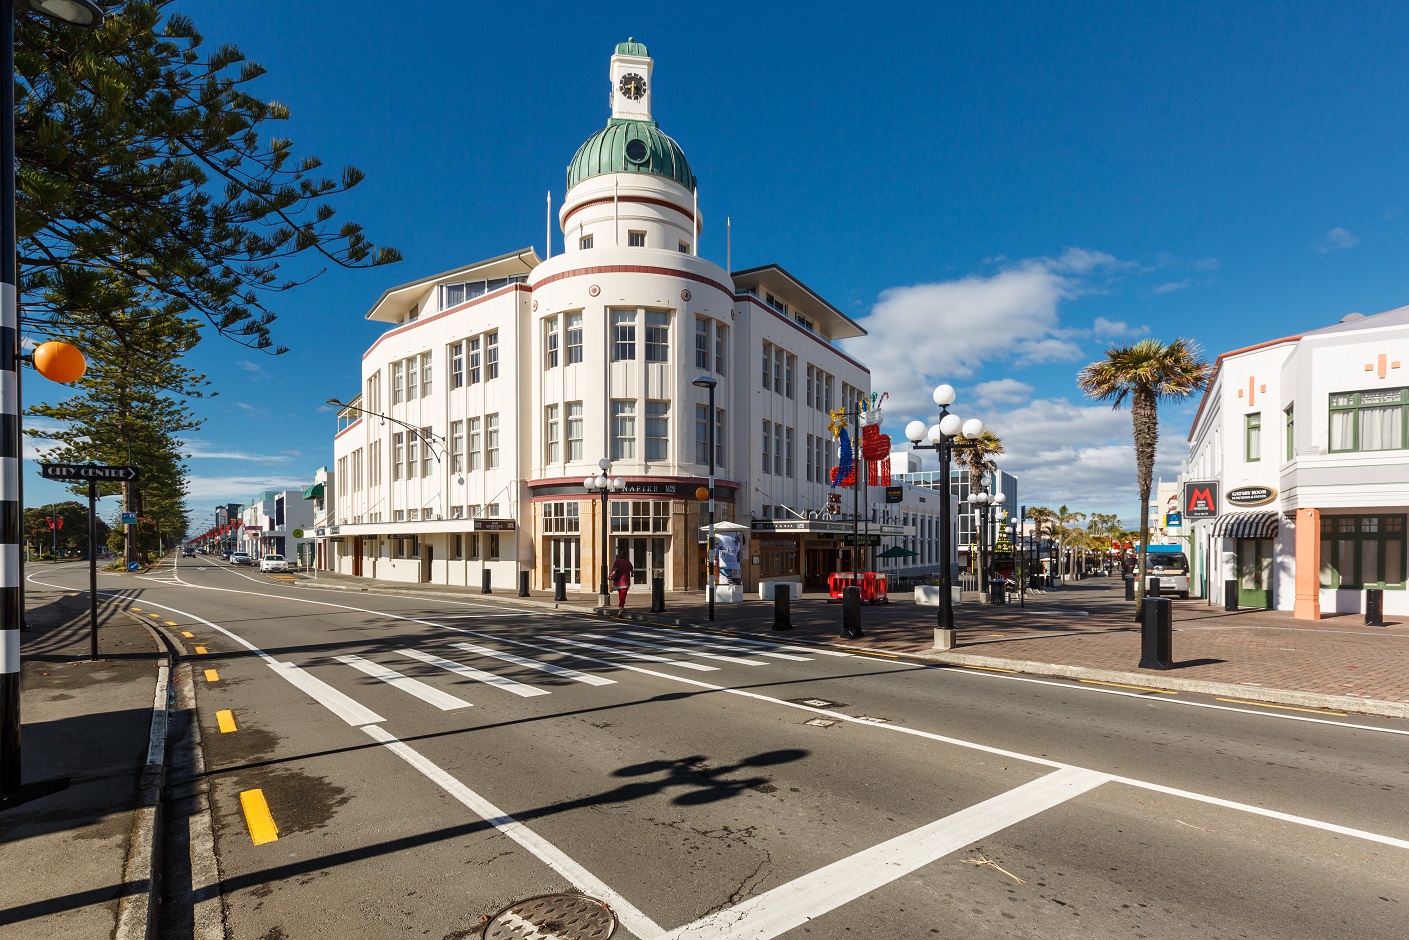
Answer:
x=258 y=818
x=991 y=669
x=200 y=651
x=171 y=623
x=212 y=676
x=226 y=720
x=188 y=634
x=1121 y=685
x=1291 y=708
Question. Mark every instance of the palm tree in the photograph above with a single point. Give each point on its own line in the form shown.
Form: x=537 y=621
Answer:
x=978 y=456
x=1043 y=523
x=1065 y=522
x=1102 y=527
x=1147 y=372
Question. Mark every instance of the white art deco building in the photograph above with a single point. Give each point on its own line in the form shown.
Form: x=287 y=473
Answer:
x=506 y=381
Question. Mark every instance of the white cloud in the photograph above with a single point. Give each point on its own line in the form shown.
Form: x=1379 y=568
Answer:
x=1104 y=329
x=251 y=410
x=1335 y=240
x=1172 y=286
x=204 y=451
x=218 y=490
x=1002 y=392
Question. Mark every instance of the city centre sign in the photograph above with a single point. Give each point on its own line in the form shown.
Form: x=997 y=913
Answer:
x=86 y=471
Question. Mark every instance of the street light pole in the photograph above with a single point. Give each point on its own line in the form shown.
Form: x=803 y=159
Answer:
x=941 y=437
x=709 y=382
x=603 y=483
x=79 y=13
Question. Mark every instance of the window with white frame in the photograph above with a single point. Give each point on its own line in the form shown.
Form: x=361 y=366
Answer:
x=398 y=379
x=552 y=430
x=623 y=335
x=702 y=434
x=374 y=463
x=550 y=342
x=635 y=239
x=623 y=429
x=585 y=241
x=425 y=374
x=640 y=515
x=427 y=456
x=457 y=447
x=657 y=430
x=719 y=436
x=788 y=452
x=476 y=441
x=491 y=355
x=721 y=347
x=574 y=331
x=767 y=376
x=413 y=378
x=413 y=454
x=491 y=442
x=398 y=454
x=778 y=356
x=457 y=365
x=777 y=449
x=575 y=434
x=657 y=336
x=811 y=378
x=702 y=342
x=767 y=464
x=561 y=517
x=789 y=370
x=474 y=365
x=492 y=511
x=373 y=396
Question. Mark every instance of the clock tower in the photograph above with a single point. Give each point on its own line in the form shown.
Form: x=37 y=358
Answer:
x=631 y=82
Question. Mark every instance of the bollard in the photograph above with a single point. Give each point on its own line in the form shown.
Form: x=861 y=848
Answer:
x=658 y=595
x=1374 y=607
x=1230 y=594
x=1156 y=635
x=560 y=586
x=1152 y=587
x=523 y=584
x=484 y=583
x=783 y=607
x=996 y=595
x=851 y=613
x=1129 y=588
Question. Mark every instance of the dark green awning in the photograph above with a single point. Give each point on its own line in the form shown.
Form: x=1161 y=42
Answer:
x=314 y=492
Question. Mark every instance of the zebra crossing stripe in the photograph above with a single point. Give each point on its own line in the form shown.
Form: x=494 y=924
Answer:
x=469 y=672
x=698 y=667
x=664 y=634
x=676 y=649
x=426 y=693
x=815 y=651
x=550 y=668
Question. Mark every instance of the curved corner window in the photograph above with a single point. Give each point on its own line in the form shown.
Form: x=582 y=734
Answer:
x=636 y=150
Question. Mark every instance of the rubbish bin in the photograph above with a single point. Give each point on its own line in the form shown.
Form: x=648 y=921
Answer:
x=996 y=593
x=1374 y=607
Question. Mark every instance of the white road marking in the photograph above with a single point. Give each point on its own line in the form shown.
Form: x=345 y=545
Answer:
x=582 y=879
x=698 y=667
x=790 y=905
x=816 y=651
x=667 y=634
x=676 y=649
x=426 y=693
x=469 y=672
x=549 y=668
x=350 y=711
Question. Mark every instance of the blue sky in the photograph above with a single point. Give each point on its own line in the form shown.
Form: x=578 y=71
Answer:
x=995 y=191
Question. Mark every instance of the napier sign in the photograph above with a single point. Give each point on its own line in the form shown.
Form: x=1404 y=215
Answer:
x=1250 y=496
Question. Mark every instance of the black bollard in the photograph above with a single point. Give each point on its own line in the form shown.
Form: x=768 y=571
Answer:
x=658 y=595
x=1374 y=607
x=1156 y=635
x=1152 y=587
x=523 y=584
x=783 y=607
x=484 y=583
x=1129 y=588
x=851 y=613
x=1230 y=594
x=560 y=586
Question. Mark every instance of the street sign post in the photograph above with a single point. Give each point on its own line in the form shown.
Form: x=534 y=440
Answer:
x=87 y=471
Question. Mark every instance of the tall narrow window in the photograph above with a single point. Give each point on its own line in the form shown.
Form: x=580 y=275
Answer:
x=788 y=452
x=789 y=370
x=491 y=442
x=657 y=430
x=398 y=380
x=719 y=437
x=767 y=365
x=623 y=335
x=551 y=430
x=808 y=458
x=457 y=365
x=1252 y=437
x=457 y=447
x=550 y=343
x=811 y=377
x=413 y=379
x=413 y=455
x=623 y=429
x=657 y=336
x=476 y=442
x=427 y=455
x=778 y=356
x=767 y=465
x=1291 y=431
x=491 y=355
x=425 y=374
x=702 y=434
x=701 y=342
x=721 y=347
x=398 y=454
x=370 y=400
x=574 y=324
x=474 y=361
x=778 y=449
x=575 y=430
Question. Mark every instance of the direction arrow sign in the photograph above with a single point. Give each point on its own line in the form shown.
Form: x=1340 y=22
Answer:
x=81 y=471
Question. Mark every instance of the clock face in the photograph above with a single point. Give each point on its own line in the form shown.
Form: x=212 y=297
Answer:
x=632 y=86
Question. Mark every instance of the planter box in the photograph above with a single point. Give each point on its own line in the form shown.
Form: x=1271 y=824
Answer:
x=766 y=589
x=927 y=595
x=728 y=593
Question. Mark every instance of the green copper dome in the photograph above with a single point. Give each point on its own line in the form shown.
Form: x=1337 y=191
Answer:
x=631 y=47
x=625 y=146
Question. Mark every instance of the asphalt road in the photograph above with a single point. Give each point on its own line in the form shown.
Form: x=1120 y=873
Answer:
x=427 y=762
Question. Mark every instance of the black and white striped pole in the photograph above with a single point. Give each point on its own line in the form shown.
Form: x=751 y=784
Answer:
x=79 y=13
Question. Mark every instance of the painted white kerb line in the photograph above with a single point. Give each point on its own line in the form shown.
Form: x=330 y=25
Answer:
x=790 y=905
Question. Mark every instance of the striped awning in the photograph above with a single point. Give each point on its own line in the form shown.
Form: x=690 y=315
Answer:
x=1246 y=525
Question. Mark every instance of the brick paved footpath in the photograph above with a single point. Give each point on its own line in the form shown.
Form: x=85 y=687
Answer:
x=1083 y=629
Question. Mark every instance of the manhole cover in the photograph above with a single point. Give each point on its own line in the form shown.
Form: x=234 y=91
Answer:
x=818 y=703
x=552 y=917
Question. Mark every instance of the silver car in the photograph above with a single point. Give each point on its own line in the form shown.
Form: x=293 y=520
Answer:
x=241 y=558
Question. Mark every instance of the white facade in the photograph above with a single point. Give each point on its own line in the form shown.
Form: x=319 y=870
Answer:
x=1308 y=432
x=595 y=352
x=269 y=521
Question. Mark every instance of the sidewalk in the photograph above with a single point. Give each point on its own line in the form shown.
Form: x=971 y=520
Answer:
x=1083 y=629
x=74 y=842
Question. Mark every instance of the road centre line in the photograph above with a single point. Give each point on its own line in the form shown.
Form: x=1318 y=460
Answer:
x=1123 y=685
x=258 y=818
x=1314 y=711
x=795 y=903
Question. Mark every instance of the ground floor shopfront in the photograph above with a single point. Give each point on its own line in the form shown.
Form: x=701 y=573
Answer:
x=809 y=550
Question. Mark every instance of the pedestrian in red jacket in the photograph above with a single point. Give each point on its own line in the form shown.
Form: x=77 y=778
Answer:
x=621 y=572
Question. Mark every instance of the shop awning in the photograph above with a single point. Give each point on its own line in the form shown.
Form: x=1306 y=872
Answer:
x=314 y=492
x=1246 y=525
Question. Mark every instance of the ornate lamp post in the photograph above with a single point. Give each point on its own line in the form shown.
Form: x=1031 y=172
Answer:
x=942 y=441
x=604 y=484
x=709 y=382
x=987 y=504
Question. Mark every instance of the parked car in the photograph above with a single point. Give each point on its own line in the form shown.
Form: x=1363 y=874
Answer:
x=241 y=558
x=273 y=563
x=188 y=552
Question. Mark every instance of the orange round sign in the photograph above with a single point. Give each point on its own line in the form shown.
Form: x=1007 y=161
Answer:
x=59 y=362
x=702 y=493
